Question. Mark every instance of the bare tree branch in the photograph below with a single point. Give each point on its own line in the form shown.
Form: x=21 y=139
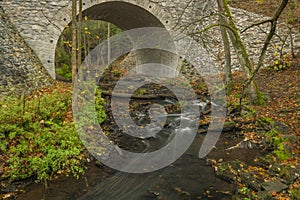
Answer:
x=195 y=21
x=74 y=41
x=79 y=34
x=182 y=13
x=257 y=24
x=267 y=42
x=226 y=43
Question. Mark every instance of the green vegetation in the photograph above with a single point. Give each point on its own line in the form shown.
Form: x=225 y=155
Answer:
x=202 y=86
x=99 y=106
x=140 y=91
x=248 y=112
x=278 y=142
x=295 y=194
x=39 y=138
x=93 y=32
x=245 y=191
x=281 y=152
x=281 y=61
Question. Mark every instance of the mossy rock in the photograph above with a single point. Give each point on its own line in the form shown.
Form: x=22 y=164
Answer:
x=229 y=171
x=251 y=182
x=264 y=195
x=229 y=126
x=265 y=161
x=295 y=194
x=274 y=186
x=275 y=169
x=290 y=173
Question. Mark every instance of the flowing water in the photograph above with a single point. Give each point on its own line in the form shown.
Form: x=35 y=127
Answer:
x=187 y=178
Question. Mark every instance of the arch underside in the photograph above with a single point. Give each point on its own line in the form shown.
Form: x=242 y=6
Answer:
x=124 y=15
x=128 y=16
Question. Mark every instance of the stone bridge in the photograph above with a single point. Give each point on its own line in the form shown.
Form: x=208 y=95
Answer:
x=41 y=22
x=37 y=25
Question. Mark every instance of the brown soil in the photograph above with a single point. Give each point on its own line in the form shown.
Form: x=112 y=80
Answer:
x=282 y=88
x=283 y=93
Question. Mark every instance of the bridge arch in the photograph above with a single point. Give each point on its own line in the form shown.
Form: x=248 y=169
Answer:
x=40 y=23
x=126 y=15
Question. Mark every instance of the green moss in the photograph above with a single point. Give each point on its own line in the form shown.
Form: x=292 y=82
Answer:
x=295 y=194
x=281 y=152
x=140 y=91
x=278 y=142
x=260 y=99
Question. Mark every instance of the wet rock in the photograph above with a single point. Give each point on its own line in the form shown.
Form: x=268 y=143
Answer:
x=265 y=162
x=201 y=131
x=237 y=165
x=182 y=192
x=293 y=139
x=290 y=173
x=153 y=193
x=251 y=182
x=237 y=197
x=10 y=187
x=226 y=175
x=228 y=171
x=275 y=169
x=276 y=186
x=281 y=127
x=247 y=144
x=210 y=162
x=228 y=127
x=264 y=195
x=7 y=188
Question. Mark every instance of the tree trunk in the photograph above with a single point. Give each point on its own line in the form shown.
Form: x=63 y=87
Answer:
x=74 y=42
x=225 y=39
x=241 y=52
x=79 y=34
x=267 y=42
x=108 y=43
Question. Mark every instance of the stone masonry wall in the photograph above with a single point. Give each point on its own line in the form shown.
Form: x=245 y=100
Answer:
x=41 y=22
x=20 y=69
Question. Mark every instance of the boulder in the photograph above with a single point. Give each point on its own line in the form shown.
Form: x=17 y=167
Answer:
x=274 y=186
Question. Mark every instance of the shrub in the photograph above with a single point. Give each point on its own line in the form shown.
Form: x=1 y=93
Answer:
x=38 y=136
